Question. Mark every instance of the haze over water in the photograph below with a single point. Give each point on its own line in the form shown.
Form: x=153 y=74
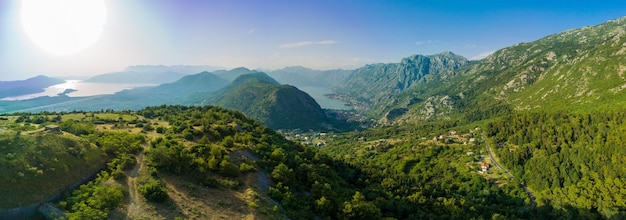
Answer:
x=82 y=89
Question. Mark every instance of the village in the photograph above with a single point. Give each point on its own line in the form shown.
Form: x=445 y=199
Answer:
x=453 y=137
x=310 y=138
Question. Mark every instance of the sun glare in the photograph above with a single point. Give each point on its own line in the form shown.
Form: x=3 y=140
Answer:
x=63 y=27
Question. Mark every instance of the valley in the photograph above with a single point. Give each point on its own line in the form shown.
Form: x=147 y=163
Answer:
x=533 y=131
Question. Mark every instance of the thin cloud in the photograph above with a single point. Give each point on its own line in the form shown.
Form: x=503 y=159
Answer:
x=427 y=42
x=307 y=43
x=482 y=55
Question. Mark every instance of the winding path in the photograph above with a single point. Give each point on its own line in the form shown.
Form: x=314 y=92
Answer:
x=533 y=198
x=134 y=206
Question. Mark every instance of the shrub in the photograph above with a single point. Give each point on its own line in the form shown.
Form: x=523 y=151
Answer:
x=154 y=190
x=244 y=168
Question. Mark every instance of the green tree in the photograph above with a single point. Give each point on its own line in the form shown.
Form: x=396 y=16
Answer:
x=282 y=173
x=154 y=190
x=278 y=155
x=360 y=208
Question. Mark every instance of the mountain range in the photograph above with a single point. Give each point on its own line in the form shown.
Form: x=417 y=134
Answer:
x=533 y=131
x=254 y=93
x=150 y=74
x=579 y=69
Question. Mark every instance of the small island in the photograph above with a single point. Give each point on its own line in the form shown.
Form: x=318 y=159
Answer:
x=67 y=91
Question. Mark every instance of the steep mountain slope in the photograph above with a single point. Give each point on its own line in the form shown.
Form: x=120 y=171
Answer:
x=577 y=70
x=277 y=106
x=374 y=87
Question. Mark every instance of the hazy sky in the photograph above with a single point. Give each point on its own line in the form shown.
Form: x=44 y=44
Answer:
x=321 y=34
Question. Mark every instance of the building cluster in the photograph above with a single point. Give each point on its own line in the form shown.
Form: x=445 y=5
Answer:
x=453 y=137
x=308 y=138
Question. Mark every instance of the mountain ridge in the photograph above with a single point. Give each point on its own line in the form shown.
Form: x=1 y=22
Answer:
x=150 y=74
x=579 y=69
x=374 y=87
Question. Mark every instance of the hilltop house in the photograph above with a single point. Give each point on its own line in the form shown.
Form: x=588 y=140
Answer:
x=484 y=167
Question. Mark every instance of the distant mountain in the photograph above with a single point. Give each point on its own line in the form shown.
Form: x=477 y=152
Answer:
x=254 y=93
x=374 y=87
x=136 y=77
x=577 y=70
x=197 y=83
x=178 y=92
x=263 y=98
x=232 y=74
x=28 y=86
x=184 y=69
x=149 y=74
x=305 y=77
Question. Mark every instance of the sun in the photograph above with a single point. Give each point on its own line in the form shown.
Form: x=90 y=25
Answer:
x=63 y=27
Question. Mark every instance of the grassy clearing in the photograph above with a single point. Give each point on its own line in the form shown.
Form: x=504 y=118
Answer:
x=101 y=116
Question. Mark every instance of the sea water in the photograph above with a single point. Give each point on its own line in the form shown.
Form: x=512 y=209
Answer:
x=80 y=89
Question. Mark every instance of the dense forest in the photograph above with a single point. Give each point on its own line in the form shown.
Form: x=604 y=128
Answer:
x=533 y=131
x=574 y=161
x=571 y=162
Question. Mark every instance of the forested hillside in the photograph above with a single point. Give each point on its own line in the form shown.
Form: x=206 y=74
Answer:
x=276 y=106
x=37 y=164
x=575 y=162
x=534 y=131
x=577 y=70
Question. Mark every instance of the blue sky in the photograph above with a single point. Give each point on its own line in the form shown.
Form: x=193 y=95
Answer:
x=320 y=34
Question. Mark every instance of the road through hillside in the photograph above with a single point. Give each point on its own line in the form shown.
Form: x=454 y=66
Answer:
x=495 y=162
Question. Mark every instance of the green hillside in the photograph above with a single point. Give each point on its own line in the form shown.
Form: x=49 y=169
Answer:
x=577 y=70
x=533 y=131
x=574 y=70
x=552 y=113
x=277 y=106
x=38 y=164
